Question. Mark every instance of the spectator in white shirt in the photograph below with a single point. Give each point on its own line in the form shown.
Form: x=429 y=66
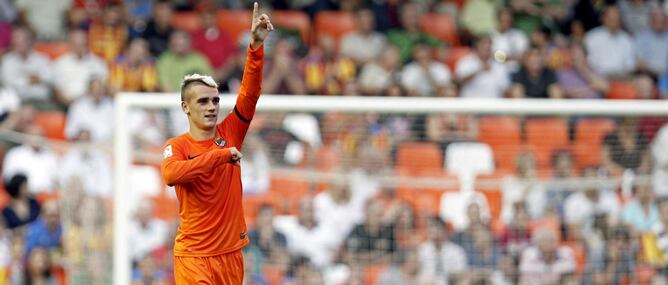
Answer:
x=34 y=160
x=636 y=14
x=364 y=44
x=47 y=18
x=660 y=155
x=336 y=210
x=479 y=75
x=255 y=176
x=581 y=207
x=652 y=45
x=425 y=76
x=610 y=50
x=440 y=259
x=146 y=233
x=523 y=187
x=25 y=70
x=377 y=76
x=545 y=262
x=89 y=163
x=509 y=41
x=93 y=113
x=73 y=71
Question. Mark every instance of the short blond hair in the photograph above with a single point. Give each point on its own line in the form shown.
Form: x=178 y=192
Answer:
x=191 y=79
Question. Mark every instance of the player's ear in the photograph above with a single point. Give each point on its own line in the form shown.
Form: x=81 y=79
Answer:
x=185 y=107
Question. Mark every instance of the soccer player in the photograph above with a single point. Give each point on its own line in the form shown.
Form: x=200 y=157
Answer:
x=204 y=166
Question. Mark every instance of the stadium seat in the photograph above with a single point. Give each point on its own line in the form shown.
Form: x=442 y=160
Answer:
x=440 y=26
x=333 y=23
x=234 y=22
x=589 y=134
x=546 y=135
x=455 y=54
x=622 y=90
x=52 y=123
x=290 y=190
x=503 y=135
x=493 y=193
x=419 y=156
x=425 y=199
x=469 y=159
x=293 y=20
x=187 y=21
x=52 y=49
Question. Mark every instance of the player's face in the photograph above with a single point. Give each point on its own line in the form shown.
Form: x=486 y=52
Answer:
x=202 y=106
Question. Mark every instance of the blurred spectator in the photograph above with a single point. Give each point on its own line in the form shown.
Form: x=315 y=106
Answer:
x=479 y=17
x=651 y=43
x=255 y=175
x=618 y=260
x=138 y=12
x=371 y=241
x=22 y=208
x=302 y=272
x=364 y=44
x=10 y=105
x=425 y=76
x=253 y=261
x=26 y=71
x=660 y=232
x=272 y=243
x=16 y=269
x=636 y=14
x=479 y=75
x=46 y=232
x=404 y=219
x=148 y=273
x=89 y=163
x=610 y=50
x=625 y=148
x=98 y=102
x=641 y=212
x=179 y=61
x=563 y=168
x=46 y=18
x=215 y=44
x=38 y=268
x=588 y=13
x=325 y=72
x=534 y=79
x=134 y=70
x=464 y=234
x=72 y=72
x=404 y=269
x=410 y=34
x=109 y=36
x=158 y=30
x=34 y=160
x=508 y=40
x=440 y=259
x=377 y=76
x=545 y=262
x=280 y=72
x=660 y=157
x=523 y=187
x=516 y=236
x=445 y=128
x=483 y=256
x=583 y=206
x=305 y=236
x=230 y=75
x=531 y=14
x=580 y=80
x=146 y=233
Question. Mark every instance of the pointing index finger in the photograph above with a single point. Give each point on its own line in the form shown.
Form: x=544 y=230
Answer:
x=254 y=10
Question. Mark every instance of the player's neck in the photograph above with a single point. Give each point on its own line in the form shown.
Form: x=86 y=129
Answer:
x=201 y=134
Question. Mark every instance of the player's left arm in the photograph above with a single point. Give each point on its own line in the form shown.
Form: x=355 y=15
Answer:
x=249 y=93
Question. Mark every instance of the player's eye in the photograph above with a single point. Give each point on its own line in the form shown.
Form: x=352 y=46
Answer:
x=216 y=100
x=203 y=101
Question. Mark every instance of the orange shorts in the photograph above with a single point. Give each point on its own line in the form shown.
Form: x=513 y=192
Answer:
x=225 y=269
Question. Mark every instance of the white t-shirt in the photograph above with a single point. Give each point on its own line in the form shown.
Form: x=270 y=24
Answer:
x=46 y=17
x=490 y=83
x=41 y=167
x=92 y=167
x=609 y=53
x=660 y=155
x=515 y=191
x=439 y=264
x=512 y=42
x=578 y=209
x=374 y=77
x=72 y=74
x=338 y=219
x=144 y=240
x=9 y=101
x=362 y=48
x=414 y=77
x=316 y=243
x=16 y=72
x=454 y=205
x=95 y=117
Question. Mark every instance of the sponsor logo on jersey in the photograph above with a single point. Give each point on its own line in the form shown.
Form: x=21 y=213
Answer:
x=167 y=152
x=219 y=141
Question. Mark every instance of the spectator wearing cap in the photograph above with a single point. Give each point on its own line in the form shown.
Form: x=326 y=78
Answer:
x=22 y=209
x=35 y=160
x=610 y=50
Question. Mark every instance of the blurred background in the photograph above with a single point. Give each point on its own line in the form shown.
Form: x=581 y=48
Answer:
x=336 y=197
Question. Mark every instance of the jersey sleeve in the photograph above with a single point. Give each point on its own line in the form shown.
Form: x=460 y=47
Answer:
x=237 y=122
x=178 y=168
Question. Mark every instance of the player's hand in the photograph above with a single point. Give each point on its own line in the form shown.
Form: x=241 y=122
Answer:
x=260 y=27
x=236 y=156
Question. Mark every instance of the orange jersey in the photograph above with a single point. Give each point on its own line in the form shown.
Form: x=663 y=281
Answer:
x=207 y=186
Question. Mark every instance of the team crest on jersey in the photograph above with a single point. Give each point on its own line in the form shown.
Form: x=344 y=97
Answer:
x=219 y=141
x=168 y=152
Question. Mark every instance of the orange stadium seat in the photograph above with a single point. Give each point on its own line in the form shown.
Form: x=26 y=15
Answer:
x=425 y=200
x=546 y=135
x=589 y=134
x=503 y=135
x=290 y=190
x=334 y=24
x=622 y=90
x=293 y=20
x=234 y=22
x=455 y=54
x=52 y=49
x=187 y=21
x=419 y=156
x=440 y=26
x=52 y=124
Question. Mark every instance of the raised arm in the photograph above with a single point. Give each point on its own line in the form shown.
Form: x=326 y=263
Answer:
x=178 y=168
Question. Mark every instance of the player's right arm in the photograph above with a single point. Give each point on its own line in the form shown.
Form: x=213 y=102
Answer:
x=178 y=168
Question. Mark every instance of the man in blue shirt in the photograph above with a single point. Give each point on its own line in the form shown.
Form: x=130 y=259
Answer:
x=47 y=231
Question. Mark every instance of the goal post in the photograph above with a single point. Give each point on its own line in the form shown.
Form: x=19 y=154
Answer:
x=123 y=150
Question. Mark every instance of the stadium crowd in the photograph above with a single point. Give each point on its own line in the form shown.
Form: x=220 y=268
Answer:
x=63 y=61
